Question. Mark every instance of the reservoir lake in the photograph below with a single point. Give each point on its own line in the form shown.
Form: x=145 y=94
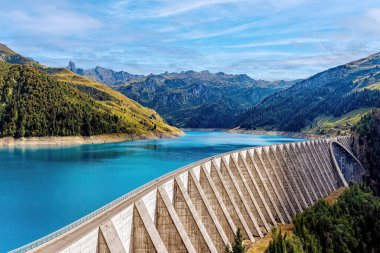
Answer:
x=45 y=188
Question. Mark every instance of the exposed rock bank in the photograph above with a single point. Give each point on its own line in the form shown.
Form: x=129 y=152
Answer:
x=79 y=140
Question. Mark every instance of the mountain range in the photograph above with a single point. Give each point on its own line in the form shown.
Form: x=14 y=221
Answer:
x=191 y=99
x=43 y=101
x=330 y=102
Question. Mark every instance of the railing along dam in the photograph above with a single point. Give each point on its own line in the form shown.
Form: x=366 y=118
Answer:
x=199 y=207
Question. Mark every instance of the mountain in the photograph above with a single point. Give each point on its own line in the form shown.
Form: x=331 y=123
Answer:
x=41 y=101
x=200 y=99
x=344 y=92
x=103 y=75
x=8 y=55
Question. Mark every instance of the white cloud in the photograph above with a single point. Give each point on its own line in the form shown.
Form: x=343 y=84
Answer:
x=50 y=20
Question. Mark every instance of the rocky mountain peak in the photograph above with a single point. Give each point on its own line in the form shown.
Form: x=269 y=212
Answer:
x=243 y=78
x=104 y=75
x=71 y=66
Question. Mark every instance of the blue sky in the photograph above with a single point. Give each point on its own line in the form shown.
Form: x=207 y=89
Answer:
x=267 y=39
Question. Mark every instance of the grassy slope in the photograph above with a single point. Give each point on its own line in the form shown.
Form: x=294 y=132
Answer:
x=375 y=86
x=6 y=50
x=336 y=125
x=261 y=245
x=120 y=105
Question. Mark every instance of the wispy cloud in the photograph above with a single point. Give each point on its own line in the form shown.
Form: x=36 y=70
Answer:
x=263 y=38
x=204 y=35
x=179 y=7
x=50 y=19
x=279 y=42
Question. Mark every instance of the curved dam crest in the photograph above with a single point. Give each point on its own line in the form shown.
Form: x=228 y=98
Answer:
x=198 y=208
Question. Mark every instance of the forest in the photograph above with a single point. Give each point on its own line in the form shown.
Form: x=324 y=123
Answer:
x=334 y=92
x=290 y=113
x=351 y=224
x=34 y=104
x=367 y=147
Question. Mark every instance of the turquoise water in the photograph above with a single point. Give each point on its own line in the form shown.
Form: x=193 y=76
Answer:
x=44 y=189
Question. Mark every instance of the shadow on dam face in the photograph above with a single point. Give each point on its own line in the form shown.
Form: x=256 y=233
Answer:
x=344 y=160
x=197 y=208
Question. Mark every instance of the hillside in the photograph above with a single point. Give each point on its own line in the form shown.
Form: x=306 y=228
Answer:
x=200 y=99
x=332 y=93
x=366 y=146
x=348 y=224
x=42 y=101
x=334 y=126
x=8 y=55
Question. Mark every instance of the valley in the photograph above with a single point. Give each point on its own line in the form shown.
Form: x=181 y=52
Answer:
x=205 y=126
x=193 y=99
x=328 y=103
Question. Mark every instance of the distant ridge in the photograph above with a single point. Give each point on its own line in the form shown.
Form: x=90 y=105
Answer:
x=103 y=75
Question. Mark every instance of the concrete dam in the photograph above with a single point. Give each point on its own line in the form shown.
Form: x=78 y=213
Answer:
x=199 y=207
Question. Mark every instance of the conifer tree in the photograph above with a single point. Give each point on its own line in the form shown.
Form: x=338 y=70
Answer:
x=238 y=247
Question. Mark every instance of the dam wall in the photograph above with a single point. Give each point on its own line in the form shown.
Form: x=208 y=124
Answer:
x=199 y=207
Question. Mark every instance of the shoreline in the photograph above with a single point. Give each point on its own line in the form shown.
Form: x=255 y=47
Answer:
x=81 y=140
x=273 y=133
x=258 y=132
x=114 y=138
x=206 y=129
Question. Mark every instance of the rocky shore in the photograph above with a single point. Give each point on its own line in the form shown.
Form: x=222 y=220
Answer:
x=79 y=140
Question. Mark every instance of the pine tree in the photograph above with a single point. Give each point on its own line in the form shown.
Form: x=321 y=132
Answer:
x=238 y=247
